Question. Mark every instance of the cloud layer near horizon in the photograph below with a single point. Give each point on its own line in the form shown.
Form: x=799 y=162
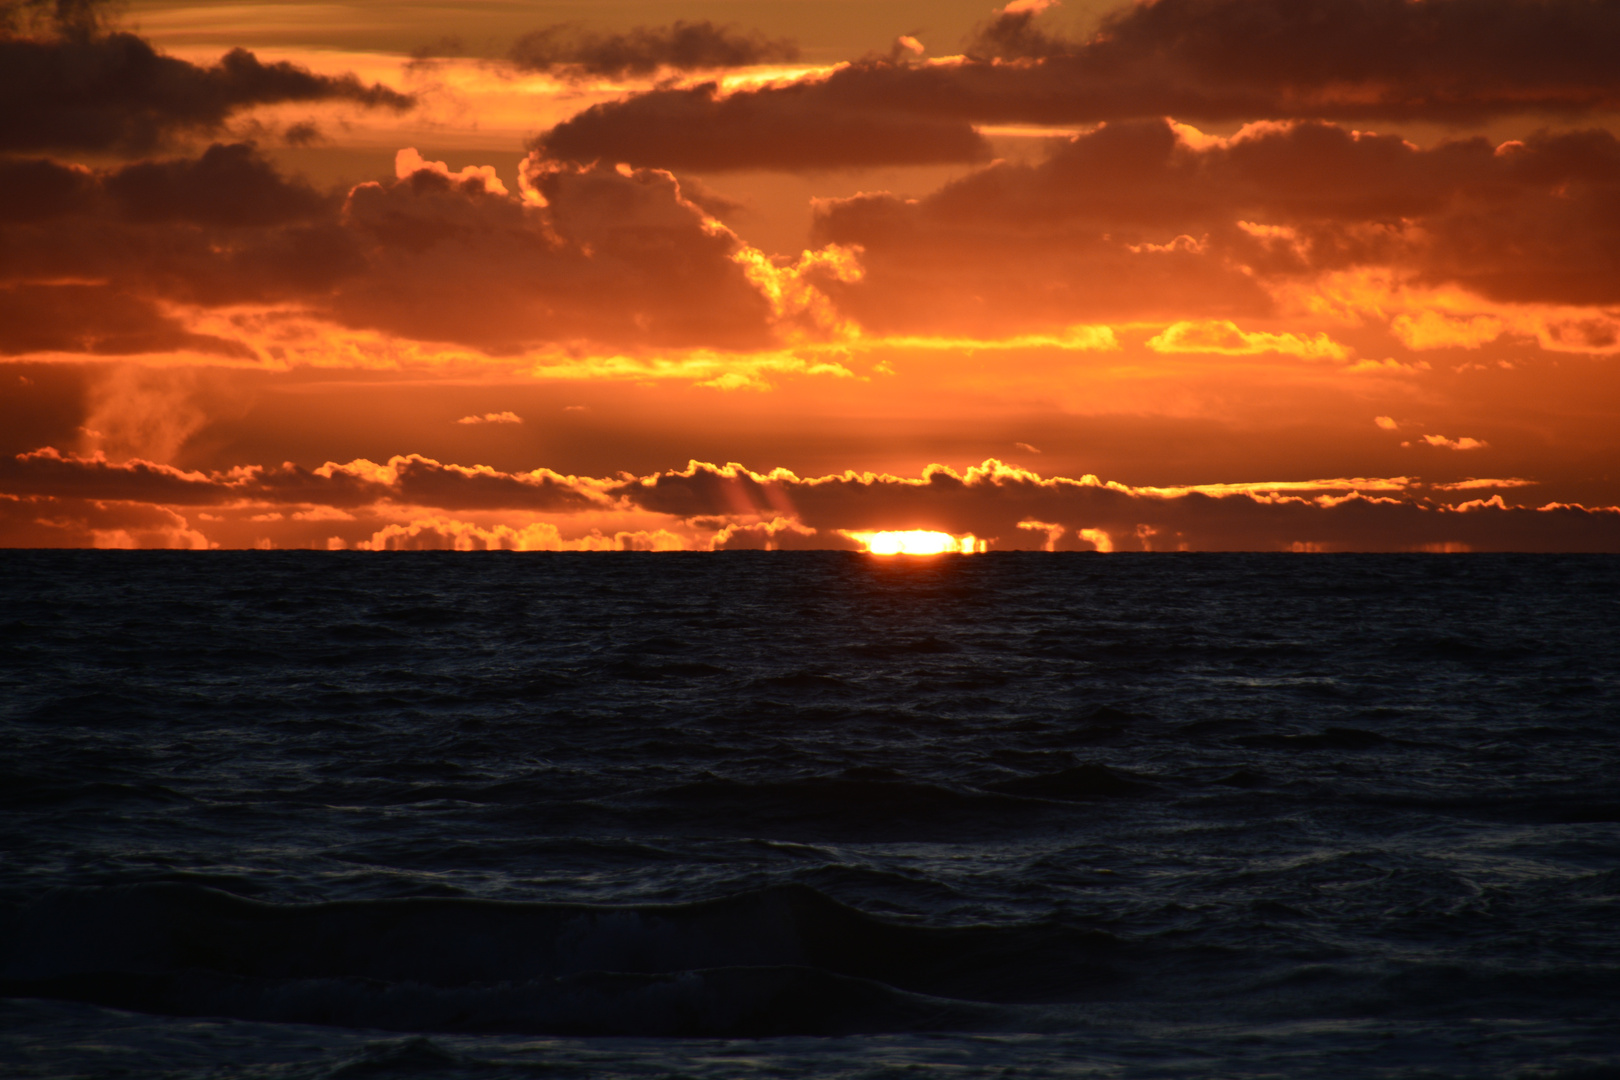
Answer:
x=56 y=499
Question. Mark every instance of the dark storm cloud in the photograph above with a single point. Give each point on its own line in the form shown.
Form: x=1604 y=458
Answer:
x=790 y=127
x=571 y=50
x=115 y=92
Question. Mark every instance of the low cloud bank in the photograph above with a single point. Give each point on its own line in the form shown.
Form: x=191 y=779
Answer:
x=51 y=499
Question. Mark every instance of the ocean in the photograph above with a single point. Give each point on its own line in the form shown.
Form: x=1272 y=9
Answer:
x=300 y=815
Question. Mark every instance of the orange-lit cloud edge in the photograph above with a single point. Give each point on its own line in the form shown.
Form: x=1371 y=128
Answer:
x=411 y=502
x=1372 y=275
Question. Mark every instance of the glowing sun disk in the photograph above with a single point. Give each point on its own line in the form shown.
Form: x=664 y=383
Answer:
x=917 y=542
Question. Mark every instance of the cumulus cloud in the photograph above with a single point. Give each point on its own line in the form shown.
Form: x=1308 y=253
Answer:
x=1151 y=219
x=492 y=418
x=595 y=254
x=1223 y=337
x=1464 y=443
x=1054 y=532
x=574 y=51
x=100 y=261
x=108 y=261
x=1215 y=238
x=69 y=522
x=228 y=185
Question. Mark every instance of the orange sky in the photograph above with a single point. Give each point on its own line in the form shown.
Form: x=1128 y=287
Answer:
x=1185 y=274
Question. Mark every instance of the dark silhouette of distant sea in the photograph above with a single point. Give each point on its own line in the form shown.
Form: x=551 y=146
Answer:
x=299 y=815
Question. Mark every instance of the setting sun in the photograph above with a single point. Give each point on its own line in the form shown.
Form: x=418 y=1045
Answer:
x=502 y=277
x=569 y=422
x=918 y=542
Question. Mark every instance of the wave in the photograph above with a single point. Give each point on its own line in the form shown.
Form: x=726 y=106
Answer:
x=781 y=960
x=863 y=801
x=711 y=1003
x=853 y=800
x=1078 y=784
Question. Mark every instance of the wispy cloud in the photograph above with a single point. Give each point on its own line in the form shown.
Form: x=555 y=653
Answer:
x=492 y=418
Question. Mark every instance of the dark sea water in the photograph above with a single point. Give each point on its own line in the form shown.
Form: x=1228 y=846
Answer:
x=350 y=815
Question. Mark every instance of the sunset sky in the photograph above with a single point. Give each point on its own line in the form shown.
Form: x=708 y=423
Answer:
x=1310 y=275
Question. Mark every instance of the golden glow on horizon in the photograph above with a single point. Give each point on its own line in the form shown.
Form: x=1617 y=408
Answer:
x=918 y=542
x=818 y=263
